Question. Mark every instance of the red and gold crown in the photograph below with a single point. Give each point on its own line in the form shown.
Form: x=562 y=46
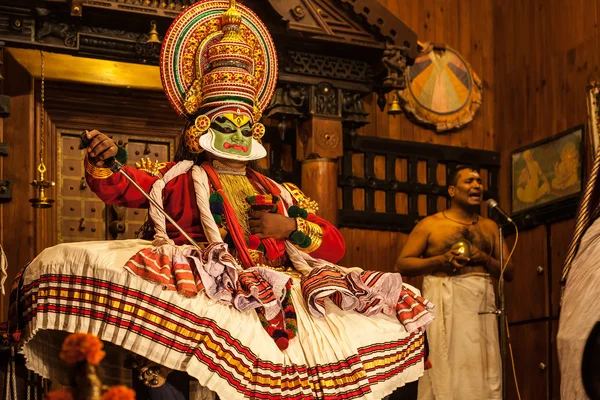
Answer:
x=217 y=57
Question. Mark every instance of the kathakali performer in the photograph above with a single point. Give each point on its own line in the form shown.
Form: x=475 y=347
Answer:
x=263 y=311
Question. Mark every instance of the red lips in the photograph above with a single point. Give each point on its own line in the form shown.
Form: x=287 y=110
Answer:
x=228 y=145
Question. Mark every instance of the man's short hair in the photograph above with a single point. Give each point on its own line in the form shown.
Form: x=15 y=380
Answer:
x=453 y=178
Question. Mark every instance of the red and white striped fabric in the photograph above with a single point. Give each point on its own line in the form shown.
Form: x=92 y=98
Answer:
x=83 y=287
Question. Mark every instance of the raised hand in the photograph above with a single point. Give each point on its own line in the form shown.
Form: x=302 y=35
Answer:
x=100 y=148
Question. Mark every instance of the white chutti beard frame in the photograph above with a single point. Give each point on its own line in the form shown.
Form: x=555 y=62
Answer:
x=207 y=143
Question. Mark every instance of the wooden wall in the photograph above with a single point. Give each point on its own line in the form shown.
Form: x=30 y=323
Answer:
x=546 y=52
x=465 y=25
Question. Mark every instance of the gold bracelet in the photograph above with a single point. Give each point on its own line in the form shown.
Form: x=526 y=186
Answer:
x=313 y=231
x=96 y=172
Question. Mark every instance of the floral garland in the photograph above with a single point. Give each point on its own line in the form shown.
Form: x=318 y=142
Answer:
x=259 y=202
x=298 y=237
x=284 y=327
x=282 y=330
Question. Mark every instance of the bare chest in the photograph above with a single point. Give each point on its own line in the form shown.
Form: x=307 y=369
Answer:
x=442 y=238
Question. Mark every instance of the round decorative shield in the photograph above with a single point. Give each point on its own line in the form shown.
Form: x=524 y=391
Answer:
x=184 y=52
x=441 y=89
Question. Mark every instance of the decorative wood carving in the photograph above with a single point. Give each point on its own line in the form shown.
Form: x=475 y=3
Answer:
x=324 y=19
x=325 y=100
x=319 y=137
x=162 y=8
x=297 y=62
x=388 y=24
x=41 y=24
x=393 y=151
x=289 y=102
x=394 y=60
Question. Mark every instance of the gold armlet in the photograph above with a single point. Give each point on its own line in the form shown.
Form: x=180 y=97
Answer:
x=313 y=231
x=96 y=172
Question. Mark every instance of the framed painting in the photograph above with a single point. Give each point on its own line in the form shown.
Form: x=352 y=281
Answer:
x=547 y=172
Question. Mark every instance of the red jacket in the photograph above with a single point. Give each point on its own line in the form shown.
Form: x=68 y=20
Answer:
x=179 y=201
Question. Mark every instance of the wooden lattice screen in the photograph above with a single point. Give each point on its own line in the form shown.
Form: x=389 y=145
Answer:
x=391 y=184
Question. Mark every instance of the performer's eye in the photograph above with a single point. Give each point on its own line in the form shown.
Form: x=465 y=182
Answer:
x=228 y=130
x=247 y=132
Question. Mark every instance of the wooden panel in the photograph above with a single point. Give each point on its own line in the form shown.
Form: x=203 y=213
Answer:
x=530 y=350
x=543 y=62
x=17 y=167
x=526 y=295
x=555 y=377
x=560 y=236
x=463 y=26
x=82 y=215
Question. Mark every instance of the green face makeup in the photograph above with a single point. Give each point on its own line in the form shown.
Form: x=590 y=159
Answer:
x=233 y=135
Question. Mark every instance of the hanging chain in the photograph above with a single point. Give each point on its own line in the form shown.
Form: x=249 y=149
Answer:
x=42 y=167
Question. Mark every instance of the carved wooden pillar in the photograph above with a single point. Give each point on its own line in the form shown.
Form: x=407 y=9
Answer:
x=322 y=113
x=319 y=145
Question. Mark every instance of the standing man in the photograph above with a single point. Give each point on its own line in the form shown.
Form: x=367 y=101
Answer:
x=464 y=347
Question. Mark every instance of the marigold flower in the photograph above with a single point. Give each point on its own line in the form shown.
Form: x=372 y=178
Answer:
x=82 y=346
x=119 y=393
x=59 y=395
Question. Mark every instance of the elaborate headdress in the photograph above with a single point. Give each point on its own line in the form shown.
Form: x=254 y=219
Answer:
x=218 y=63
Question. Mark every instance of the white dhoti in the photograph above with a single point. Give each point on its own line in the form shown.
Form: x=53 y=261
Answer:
x=579 y=313
x=463 y=345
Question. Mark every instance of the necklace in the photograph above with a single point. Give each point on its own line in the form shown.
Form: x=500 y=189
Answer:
x=460 y=222
x=222 y=168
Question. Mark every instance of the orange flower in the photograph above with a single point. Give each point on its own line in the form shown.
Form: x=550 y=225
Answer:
x=59 y=395
x=119 y=393
x=82 y=346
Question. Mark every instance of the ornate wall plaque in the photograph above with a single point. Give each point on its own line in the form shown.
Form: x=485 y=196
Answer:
x=442 y=90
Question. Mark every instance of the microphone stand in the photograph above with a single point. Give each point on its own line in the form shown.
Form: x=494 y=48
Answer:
x=501 y=313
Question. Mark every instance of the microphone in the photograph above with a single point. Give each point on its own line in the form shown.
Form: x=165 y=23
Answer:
x=493 y=205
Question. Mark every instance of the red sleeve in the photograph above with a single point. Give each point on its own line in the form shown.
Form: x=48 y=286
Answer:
x=333 y=246
x=116 y=189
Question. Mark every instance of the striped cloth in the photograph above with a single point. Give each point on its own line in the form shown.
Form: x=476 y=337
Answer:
x=82 y=287
x=586 y=214
x=366 y=292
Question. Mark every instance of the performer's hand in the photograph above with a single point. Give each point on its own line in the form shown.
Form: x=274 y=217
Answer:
x=101 y=147
x=269 y=225
x=455 y=260
x=478 y=257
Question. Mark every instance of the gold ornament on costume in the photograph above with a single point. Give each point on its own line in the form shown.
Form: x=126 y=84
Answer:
x=258 y=131
x=96 y=172
x=215 y=54
x=202 y=123
x=193 y=133
x=193 y=98
x=313 y=231
x=152 y=168
x=40 y=185
x=303 y=200
x=192 y=139
x=256 y=113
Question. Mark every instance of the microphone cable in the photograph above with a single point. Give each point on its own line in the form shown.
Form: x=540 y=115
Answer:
x=510 y=350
